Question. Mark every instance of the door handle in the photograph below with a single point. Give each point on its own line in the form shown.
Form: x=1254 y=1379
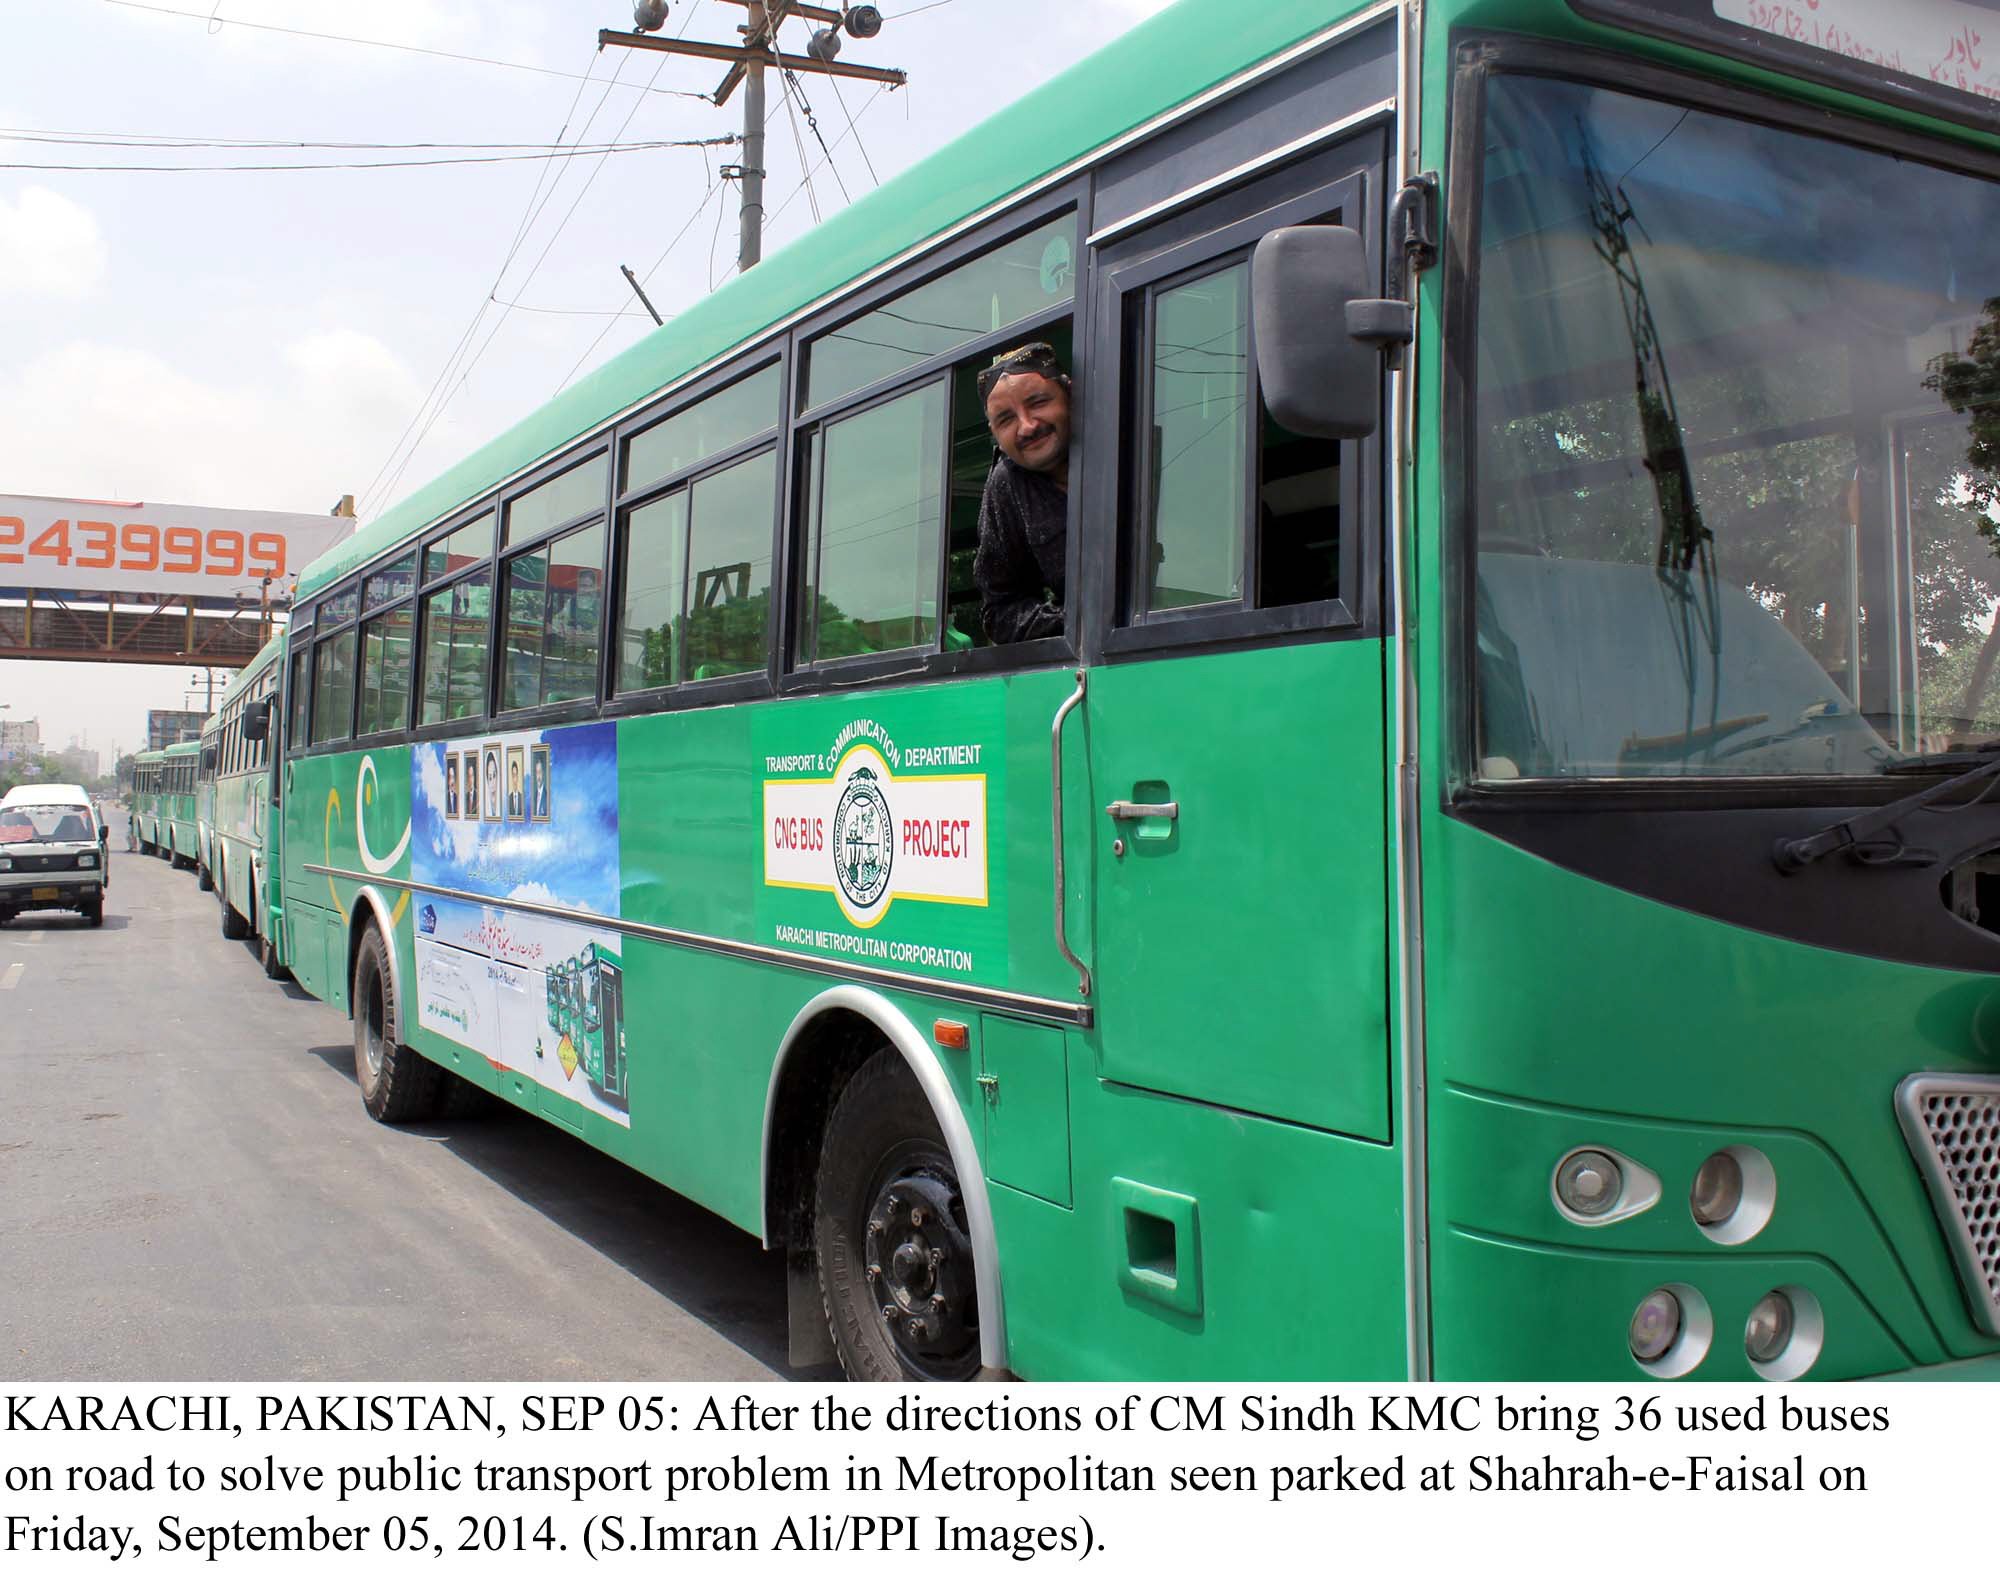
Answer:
x=1056 y=826
x=1139 y=811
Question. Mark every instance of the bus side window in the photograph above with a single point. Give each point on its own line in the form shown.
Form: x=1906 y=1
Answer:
x=1202 y=536
x=295 y=738
x=894 y=451
x=333 y=687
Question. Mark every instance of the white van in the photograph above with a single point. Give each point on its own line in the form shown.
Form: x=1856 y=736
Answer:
x=52 y=852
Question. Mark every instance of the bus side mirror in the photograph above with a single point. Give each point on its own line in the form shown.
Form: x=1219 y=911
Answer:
x=1321 y=331
x=257 y=721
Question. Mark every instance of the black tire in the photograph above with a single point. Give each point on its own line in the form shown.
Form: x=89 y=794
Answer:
x=93 y=912
x=397 y=1084
x=234 y=926
x=202 y=879
x=267 y=956
x=890 y=1235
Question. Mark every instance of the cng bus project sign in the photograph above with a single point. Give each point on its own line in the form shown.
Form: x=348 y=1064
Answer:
x=170 y=550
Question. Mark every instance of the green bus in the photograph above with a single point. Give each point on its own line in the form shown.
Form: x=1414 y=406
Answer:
x=179 y=828
x=237 y=803
x=163 y=803
x=148 y=786
x=1490 y=876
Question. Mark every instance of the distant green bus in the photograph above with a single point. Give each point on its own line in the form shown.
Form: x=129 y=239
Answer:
x=148 y=787
x=163 y=803
x=237 y=803
x=1493 y=877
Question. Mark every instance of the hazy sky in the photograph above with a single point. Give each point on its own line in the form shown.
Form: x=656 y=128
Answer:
x=269 y=340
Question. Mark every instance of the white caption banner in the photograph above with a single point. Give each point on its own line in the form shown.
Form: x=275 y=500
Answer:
x=282 y=1479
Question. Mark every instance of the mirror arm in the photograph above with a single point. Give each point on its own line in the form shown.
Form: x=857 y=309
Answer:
x=1382 y=323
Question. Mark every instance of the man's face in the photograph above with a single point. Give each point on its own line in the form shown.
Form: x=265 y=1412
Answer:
x=1029 y=416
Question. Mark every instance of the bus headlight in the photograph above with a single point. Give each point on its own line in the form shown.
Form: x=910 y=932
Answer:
x=1785 y=1334
x=1718 y=1189
x=1733 y=1194
x=1768 y=1332
x=1670 y=1330
x=1656 y=1324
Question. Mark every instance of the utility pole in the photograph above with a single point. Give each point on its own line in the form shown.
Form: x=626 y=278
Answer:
x=747 y=63
x=750 y=235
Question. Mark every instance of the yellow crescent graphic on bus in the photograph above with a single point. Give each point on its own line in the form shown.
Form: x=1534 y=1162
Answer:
x=333 y=810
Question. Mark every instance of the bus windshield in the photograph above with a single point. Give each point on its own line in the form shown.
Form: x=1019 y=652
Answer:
x=1736 y=505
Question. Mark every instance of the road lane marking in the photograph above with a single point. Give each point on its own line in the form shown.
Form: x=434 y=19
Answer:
x=12 y=975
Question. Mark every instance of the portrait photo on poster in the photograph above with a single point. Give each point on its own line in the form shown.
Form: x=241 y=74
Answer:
x=517 y=790
x=489 y=781
x=540 y=787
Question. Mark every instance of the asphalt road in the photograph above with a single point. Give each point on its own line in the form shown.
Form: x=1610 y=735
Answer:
x=192 y=1192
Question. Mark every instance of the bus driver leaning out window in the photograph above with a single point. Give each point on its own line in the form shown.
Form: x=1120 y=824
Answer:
x=1023 y=515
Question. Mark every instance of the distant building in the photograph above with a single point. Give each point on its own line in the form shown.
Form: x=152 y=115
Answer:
x=20 y=739
x=78 y=764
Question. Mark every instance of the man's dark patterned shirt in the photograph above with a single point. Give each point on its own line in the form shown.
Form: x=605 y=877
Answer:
x=1019 y=566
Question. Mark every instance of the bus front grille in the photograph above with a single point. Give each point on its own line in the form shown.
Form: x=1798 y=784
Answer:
x=1952 y=1122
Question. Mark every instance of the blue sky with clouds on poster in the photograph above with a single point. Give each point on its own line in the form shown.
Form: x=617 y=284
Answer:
x=268 y=340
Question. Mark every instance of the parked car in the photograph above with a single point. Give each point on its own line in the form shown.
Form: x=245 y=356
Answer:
x=52 y=852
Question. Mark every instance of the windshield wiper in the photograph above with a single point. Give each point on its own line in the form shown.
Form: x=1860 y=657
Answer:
x=1858 y=834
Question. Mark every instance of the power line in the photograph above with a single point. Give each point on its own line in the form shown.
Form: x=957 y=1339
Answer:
x=659 y=262
x=647 y=277
x=787 y=203
x=170 y=142
x=529 y=213
x=600 y=153
x=861 y=146
x=572 y=312
x=542 y=257
x=799 y=143
x=798 y=91
x=378 y=43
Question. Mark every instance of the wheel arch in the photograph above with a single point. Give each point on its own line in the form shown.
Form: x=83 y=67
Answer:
x=827 y=1040
x=367 y=907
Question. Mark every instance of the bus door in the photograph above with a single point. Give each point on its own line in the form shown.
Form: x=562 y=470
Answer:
x=1235 y=718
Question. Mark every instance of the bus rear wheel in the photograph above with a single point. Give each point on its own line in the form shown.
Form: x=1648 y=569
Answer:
x=202 y=879
x=890 y=1235
x=267 y=956
x=234 y=927
x=397 y=1084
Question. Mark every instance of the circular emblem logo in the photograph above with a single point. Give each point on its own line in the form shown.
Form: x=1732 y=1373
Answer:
x=863 y=840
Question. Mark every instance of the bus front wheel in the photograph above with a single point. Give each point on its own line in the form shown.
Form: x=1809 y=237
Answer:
x=397 y=1084
x=890 y=1235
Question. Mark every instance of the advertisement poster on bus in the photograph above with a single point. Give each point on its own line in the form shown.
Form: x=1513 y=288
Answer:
x=530 y=817
x=881 y=838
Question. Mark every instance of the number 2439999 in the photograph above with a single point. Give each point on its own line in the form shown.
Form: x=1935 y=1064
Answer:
x=144 y=549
